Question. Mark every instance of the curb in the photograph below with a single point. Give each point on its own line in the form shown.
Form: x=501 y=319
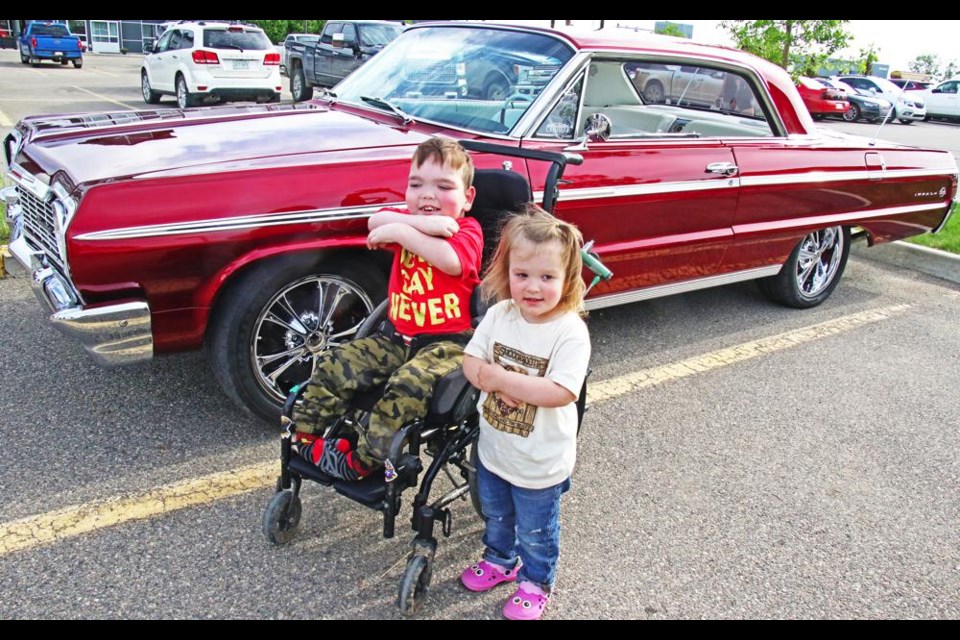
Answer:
x=934 y=262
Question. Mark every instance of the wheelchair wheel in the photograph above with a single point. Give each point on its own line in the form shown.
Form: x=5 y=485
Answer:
x=414 y=584
x=281 y=517
x=472 y=480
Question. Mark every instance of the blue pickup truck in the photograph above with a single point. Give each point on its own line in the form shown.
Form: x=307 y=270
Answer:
x=50 y=41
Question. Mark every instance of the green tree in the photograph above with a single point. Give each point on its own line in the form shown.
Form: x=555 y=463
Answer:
x=927 y=63
x=671 y=29
x=868 y=57
x=951 y=70
x=799 y=46
x=277 y=30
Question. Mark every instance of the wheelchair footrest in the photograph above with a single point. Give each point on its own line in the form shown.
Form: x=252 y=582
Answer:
x=369 y=491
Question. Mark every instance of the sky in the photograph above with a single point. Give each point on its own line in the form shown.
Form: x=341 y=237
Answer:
x=898 y=41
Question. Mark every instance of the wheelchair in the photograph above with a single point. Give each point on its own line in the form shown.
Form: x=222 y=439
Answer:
x=447 y=434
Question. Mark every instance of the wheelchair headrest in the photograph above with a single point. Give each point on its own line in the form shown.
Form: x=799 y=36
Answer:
x=500 y=193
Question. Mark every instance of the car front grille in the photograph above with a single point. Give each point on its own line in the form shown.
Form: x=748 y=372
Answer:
x=38 y=225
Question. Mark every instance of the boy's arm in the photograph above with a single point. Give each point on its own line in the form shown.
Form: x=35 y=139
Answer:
x=435 y=250
x=441 y=226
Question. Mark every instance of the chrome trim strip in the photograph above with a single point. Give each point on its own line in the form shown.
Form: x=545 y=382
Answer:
x=22 y=177
x=833 y=219
x=236 y=223
x=836 y=176
x=593 y=193
x=659 y=291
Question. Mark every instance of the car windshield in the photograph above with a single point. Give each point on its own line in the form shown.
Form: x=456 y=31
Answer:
x=886 y=86
x=377 y=35
x=478 y=79
x=235 y=39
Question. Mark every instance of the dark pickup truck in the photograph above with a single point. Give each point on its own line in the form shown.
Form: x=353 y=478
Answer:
x=344 y=45
x=50 y=41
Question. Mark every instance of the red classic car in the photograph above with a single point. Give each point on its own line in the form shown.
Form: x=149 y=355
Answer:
x=822 y=100
x=242 y=228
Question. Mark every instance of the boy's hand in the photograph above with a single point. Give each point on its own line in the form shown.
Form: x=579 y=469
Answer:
x=386 y=235
x=440 y=226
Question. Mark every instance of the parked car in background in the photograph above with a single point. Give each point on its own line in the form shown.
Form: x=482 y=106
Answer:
x=343 y=46
x=211 y=61
x=50 y=41
x=242 y=229
x=911 y=85
x=942 y=101
x=908 y=106
x=822 y=100
x=862 y=106
x=290 y=39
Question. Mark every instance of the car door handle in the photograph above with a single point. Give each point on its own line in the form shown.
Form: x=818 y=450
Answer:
x=725 y=168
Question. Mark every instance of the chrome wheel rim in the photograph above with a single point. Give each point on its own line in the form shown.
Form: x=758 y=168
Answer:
x=852 y=114
x=819 y=261
x=182 y=94
x=298 y=324
x=297 y=84
x=145 y=86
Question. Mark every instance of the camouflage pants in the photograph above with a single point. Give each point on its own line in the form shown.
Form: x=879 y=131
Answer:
x=342 y=371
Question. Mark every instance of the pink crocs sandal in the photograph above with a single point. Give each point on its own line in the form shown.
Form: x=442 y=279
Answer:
x=526 y=603
x=484 y=575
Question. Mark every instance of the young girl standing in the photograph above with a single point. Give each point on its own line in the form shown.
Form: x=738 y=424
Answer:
x=529 y=358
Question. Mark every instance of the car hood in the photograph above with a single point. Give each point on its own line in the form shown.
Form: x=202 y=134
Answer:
x=197 y=141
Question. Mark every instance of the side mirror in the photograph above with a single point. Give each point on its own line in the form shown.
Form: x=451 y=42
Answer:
x=337 y=40
x=937 y=90
x=597 y=127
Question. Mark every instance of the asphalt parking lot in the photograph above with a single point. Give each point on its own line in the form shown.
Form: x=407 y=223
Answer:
x=740 y=460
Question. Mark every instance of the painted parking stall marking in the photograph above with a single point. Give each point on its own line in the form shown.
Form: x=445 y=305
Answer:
x=50 y=527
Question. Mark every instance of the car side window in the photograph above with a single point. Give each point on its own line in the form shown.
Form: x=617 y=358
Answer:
x=186 y=39
x=349 y=35
x=949 y=87
x=164 y=42
x=327 y=36
x=641 y=99
x=175 y=40
x=562 y=122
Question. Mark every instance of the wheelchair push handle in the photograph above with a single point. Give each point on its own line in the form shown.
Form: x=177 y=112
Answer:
x=592 y=262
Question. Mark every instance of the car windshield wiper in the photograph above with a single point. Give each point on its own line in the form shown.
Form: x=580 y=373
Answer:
x=380 y=102
x=229 y=46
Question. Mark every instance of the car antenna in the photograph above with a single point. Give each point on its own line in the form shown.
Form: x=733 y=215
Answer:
x=893 y=110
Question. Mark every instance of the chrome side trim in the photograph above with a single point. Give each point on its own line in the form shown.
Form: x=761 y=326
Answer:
x=836 y=176
x=116 y=335
x=593 y=193
x=833 y=219
x=663 y=290
x=239 y=222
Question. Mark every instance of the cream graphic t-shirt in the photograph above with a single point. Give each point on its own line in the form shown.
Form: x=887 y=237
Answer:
x=531 y=447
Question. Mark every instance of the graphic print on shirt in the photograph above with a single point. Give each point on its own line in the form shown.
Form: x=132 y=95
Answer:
x=516 y=420
x=417 y=301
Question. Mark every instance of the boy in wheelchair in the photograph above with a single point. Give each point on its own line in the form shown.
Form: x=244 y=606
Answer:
x=436 y=265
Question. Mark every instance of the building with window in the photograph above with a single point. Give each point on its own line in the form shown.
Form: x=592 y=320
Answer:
x=100 y=36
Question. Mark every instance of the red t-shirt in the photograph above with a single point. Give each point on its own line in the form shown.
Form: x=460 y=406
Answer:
x=424 y=299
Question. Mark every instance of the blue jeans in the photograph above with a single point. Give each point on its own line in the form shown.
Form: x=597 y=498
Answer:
x=522 y=523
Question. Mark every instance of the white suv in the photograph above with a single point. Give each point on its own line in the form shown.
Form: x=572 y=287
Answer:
x=197 y=61
x=907 y=104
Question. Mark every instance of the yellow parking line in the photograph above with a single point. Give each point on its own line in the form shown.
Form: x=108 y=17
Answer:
x=72 y=521
x=614 y=387
x=4 y=120
x=65 y=523
x=93 y=93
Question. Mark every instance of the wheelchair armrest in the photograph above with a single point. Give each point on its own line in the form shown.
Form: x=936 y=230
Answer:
x=454 y=398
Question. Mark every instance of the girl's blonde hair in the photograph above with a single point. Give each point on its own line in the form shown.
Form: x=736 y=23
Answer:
x=537 y=227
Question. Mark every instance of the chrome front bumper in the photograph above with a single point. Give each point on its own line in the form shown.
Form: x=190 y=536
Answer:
x=115 y=334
